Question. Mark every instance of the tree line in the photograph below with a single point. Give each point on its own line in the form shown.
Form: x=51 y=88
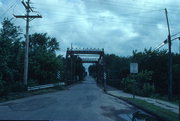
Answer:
x=44 y=63
x=152 y=78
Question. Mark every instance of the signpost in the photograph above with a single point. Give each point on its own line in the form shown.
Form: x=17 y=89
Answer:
x=105 y=79
x=134 y=70
x=58 y=75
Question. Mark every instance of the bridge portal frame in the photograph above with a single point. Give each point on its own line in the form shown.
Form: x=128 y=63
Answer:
x=100 y=62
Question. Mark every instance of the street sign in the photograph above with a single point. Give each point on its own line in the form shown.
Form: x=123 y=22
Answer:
x=133 y=67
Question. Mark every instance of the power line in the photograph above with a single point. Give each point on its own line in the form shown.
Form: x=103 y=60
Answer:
x=9 y=9
x=100 y=20
x=97 y=10
x=132 y=14
x=129 y=14
x=166 y=41
x=179 y=45
x=132 y=4
x=130 y=18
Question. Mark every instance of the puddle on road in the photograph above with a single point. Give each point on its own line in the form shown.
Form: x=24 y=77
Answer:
x=131 y=114
x=137 y=116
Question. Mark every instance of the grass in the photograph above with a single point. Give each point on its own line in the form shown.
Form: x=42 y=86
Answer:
x=160 y=112
x=174 y=100
x=17 y=95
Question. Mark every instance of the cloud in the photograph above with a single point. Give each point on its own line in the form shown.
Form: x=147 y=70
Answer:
x=1 y=4
x=117 y=26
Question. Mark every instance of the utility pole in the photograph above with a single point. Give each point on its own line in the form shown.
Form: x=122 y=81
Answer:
x=71 y=63
x=170 y=59
x=179 y=45
x=28 y=18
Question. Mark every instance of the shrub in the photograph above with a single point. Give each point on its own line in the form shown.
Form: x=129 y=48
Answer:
x=18 y=87
x=127 y=84
x=139 y=84
x=148 y=89
x=2 y=88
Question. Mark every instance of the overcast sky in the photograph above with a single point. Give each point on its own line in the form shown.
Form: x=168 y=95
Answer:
x=118 y=26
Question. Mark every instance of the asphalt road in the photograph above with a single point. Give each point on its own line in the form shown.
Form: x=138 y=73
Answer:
x=84 y=101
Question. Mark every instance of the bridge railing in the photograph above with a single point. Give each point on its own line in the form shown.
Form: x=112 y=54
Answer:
x=45 y=86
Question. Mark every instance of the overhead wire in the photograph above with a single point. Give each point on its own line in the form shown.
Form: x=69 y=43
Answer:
x=95 y=18
x=145 y=3
x=166 y=41
x=81 y=17
x=120 y=4
x=130 y=14
x=8 y=9
x=136 y=13
x=100 y=20
x=68 y=8
x=145 y=10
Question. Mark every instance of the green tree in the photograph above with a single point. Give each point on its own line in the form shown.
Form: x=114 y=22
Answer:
x=148 y=60
x=78 y=70
x=93 y=70
x=11 y=50
x=140 y=83
x=43 y=63
x=156 y=61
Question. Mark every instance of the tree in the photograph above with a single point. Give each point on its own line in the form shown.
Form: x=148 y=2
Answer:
x=93 y=70
x=148 y=61
x=9 y=31
x=79 y=68
x=75 y=69
x=43 y=63
x=11 y=50
x=155 y=61
x=43 y=42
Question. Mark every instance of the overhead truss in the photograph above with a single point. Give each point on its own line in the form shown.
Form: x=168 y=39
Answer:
x=99 y=60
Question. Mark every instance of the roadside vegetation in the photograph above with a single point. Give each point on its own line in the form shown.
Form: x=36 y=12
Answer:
x=44 y=63
x=152 y=79
x=23 y=94
x=156 y=110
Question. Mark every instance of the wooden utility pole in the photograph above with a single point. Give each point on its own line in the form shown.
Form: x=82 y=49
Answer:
x=179 y=45
x=71 y=64
x=28 y=18
x=170 y=59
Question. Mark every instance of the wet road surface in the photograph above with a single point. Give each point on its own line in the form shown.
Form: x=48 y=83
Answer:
x=85 y=101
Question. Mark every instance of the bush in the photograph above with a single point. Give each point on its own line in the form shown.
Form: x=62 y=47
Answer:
x=18 y=87
x=139 y=84
x=114 y=83
x=148 y=89
x=127 y=84
x=2 y=88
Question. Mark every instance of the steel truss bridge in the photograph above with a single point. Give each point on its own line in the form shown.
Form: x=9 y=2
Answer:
x=87 y=55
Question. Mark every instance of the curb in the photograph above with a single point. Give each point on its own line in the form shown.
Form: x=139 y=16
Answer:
x=164 y=104
x=145 y=110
